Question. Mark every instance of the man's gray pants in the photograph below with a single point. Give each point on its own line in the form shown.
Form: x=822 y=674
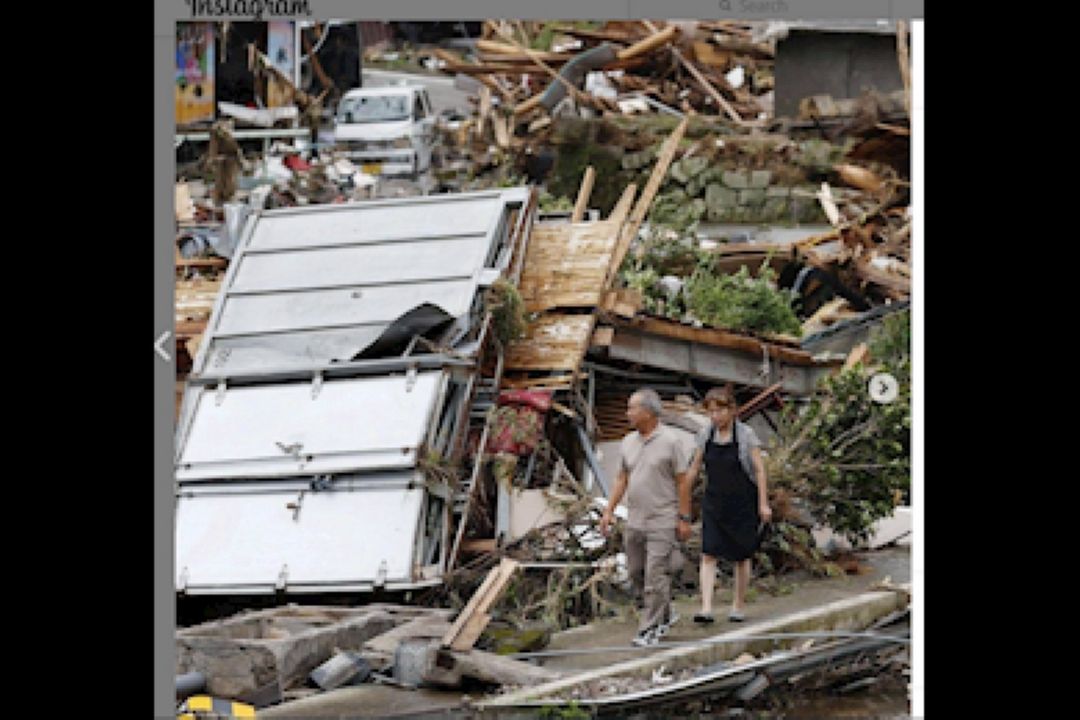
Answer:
x=652 y=559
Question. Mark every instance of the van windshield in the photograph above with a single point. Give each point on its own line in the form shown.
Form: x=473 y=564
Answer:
x=373 y=108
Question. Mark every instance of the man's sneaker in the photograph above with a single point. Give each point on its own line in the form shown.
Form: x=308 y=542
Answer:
x=646 y=638
x=663 y=628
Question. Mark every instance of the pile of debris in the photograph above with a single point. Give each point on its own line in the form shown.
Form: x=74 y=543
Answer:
x=626 y=67
x=265 y=657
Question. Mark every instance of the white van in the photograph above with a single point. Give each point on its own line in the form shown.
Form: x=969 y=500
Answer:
x=389 y=130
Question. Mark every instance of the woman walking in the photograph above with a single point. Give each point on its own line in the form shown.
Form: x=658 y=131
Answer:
x=735 y=507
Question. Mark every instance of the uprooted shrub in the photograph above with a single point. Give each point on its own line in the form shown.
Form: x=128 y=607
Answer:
x=843 y=455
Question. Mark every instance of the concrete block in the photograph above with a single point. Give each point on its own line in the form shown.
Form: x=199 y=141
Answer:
x=695 y=165
x=809 y=210
x=677 y=172
x=777 y=191
x=717 y=197
x=760 y=179
x=270 y=650
x=751 y=196
x=738 y=179
x=718 y=214
x=340 y=669
x=775 y=209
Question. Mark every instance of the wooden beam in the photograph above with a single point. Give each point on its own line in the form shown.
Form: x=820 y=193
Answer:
x=859 y=354
x=905 y=67
x=717 y=337
x=483 y=111
x=583 y=194
x=602 y=336
x=759 y=401
x=476 y=545
x=514 y=49
x=622 y=208
x=658 y=38
x=602 y=35
x=502 y=133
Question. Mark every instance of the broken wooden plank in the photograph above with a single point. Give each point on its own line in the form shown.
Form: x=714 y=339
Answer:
x=825 y=197
x=650 y=43
x=622 y=208
x=601 y=35
x=185 y=208
x=483 y=111
x=858 y=177
x=717 y=337
x=602 y=336
x=559 y=407
x=554 y=342
x=895 y=285
x=709 y=55
x=583 y=194
x=905 y=66
x=567 y=265
x=859 y=354
x=501 y=670
x=759 y=402
x=502 y=134
x=208 y=263
x=469 y=625
x=513 y=49
x=479 y=545
x=824 y=315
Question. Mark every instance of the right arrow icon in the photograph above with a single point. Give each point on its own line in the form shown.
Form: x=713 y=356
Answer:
x=158 y=345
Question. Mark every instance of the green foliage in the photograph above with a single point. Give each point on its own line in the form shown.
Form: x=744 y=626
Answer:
x=507 y=311
x=572 y=711
x=550 y=203
x=892 y=339
x=844 y=455
x=741 y=302
x=675 y=210
x=573 y=157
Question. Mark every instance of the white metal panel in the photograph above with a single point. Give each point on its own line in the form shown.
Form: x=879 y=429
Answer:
x=337 y=537
x=370 y=221
x=276 y=430
x=299 y=349
x=346 y=306
x=450 y=257
x=306 y=284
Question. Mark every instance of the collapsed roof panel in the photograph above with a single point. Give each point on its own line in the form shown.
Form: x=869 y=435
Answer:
x=239 y=539
x=300 y=428
x=317 y=285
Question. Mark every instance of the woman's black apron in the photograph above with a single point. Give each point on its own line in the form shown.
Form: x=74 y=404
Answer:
x=731 y=525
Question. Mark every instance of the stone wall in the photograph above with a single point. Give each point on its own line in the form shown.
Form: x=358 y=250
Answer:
x=775 y=186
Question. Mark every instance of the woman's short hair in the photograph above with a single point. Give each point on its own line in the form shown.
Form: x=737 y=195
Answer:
x=723 y=396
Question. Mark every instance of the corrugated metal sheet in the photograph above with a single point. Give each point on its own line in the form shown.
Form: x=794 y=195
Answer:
x=315 y=285
x=292 y=429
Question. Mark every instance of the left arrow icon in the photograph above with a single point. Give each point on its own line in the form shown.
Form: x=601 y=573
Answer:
x=158 y=345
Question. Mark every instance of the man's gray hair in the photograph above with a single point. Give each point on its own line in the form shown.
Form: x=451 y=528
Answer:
x=650 y=400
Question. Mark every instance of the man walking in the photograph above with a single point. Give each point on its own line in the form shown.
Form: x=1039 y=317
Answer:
x=653 y=476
